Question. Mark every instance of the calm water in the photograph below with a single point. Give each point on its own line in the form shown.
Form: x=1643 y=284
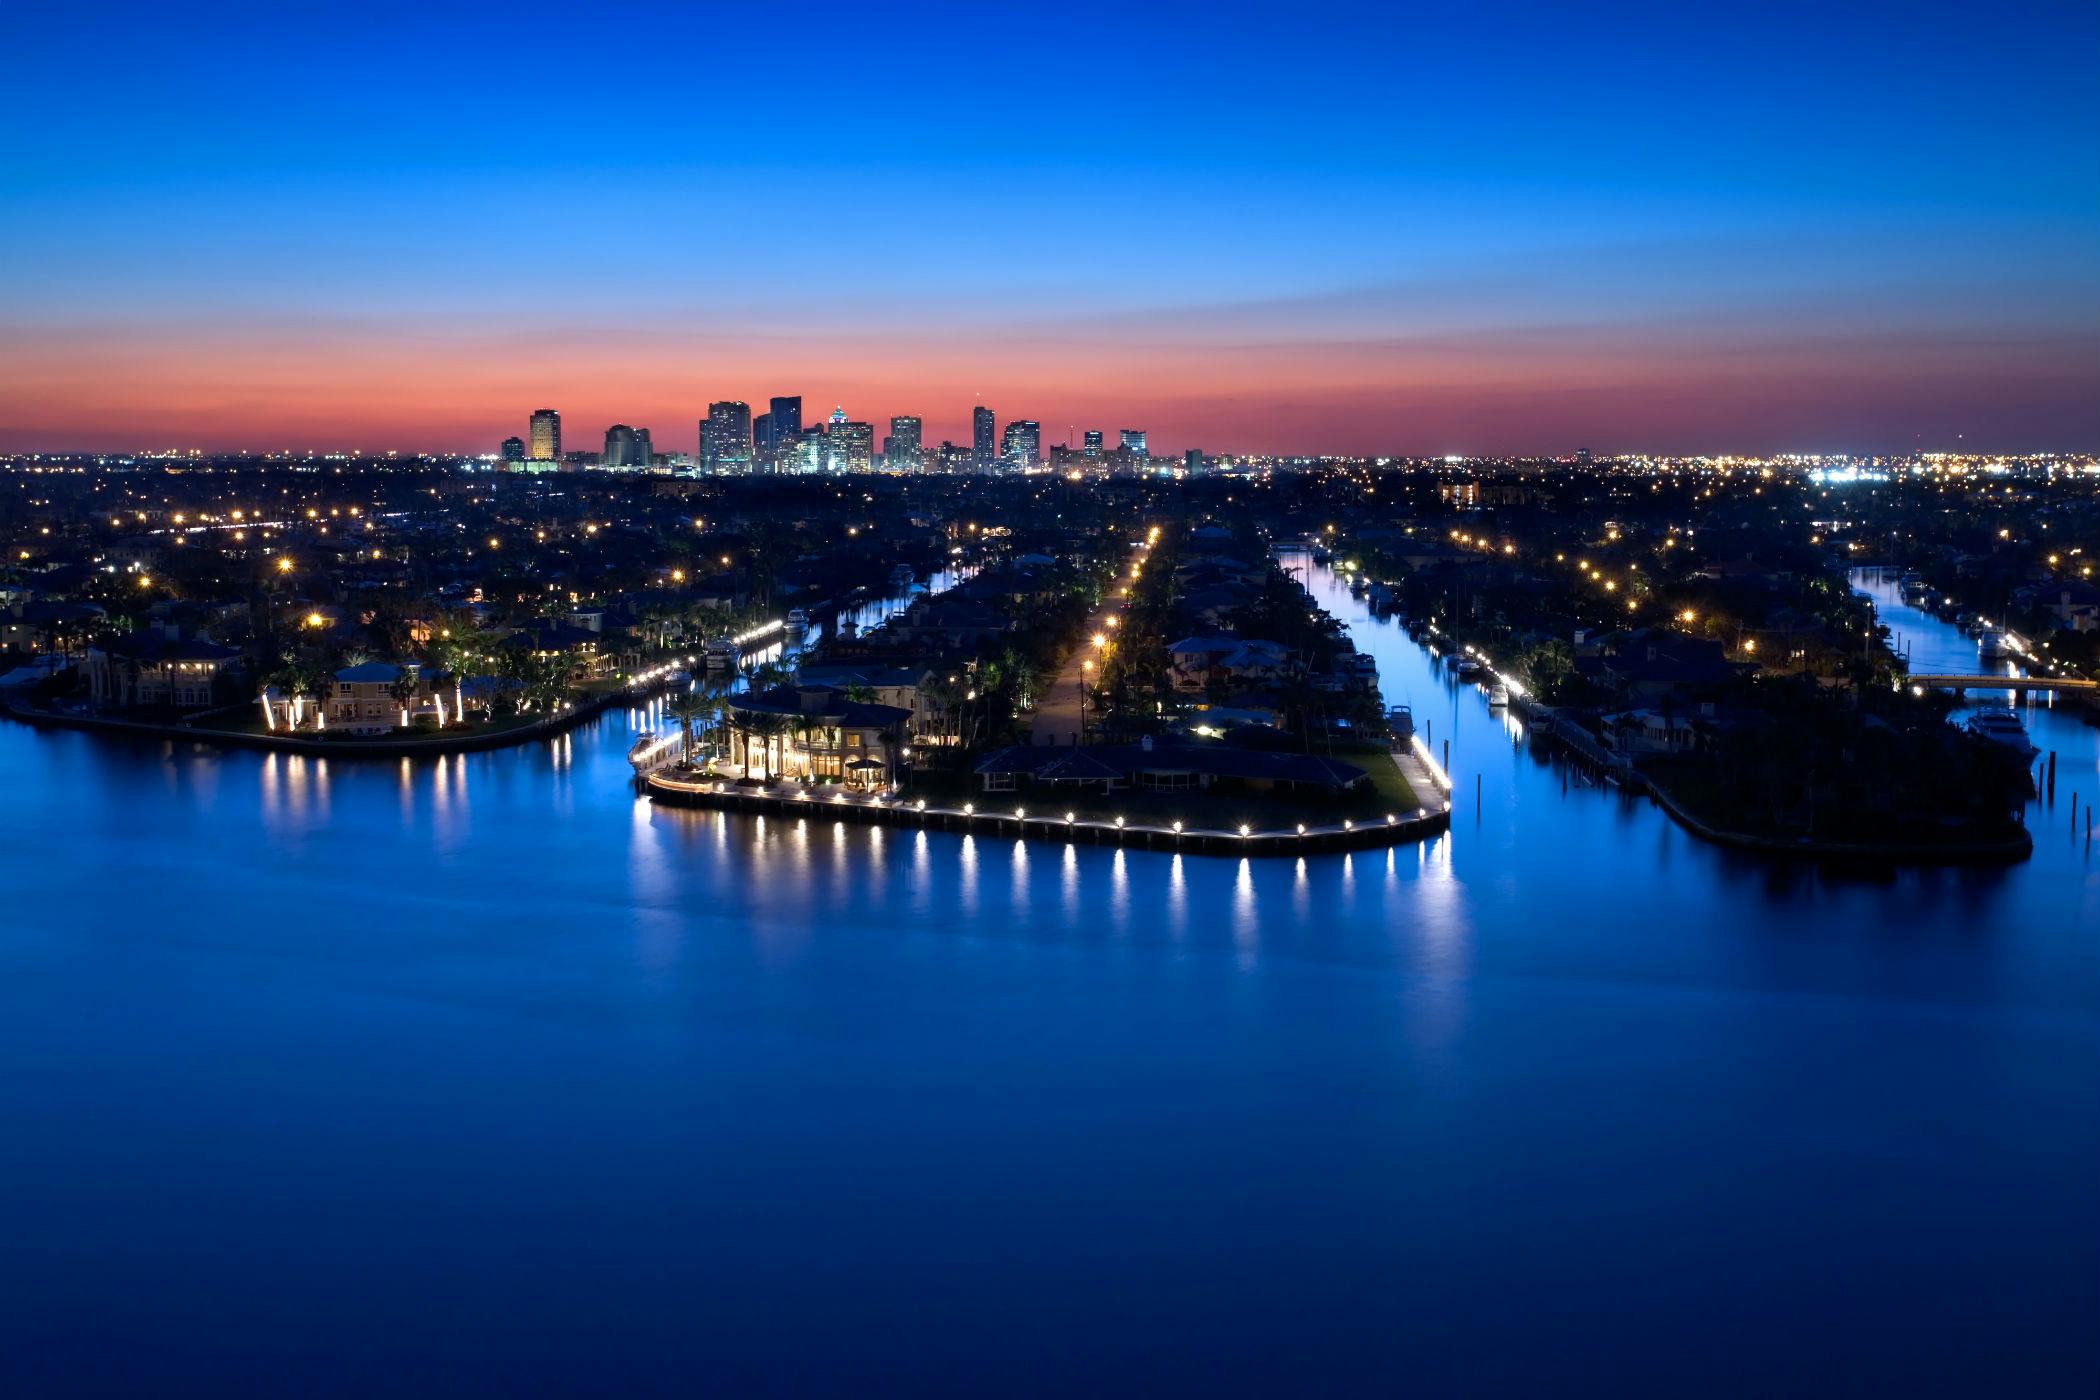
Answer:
x=482 y=1075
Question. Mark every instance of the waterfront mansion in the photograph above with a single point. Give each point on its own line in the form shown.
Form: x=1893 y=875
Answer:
x=816 y=732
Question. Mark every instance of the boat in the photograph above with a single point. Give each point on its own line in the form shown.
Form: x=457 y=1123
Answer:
x=1498 y=695
x=1379 y=597
x=1992 y=646
x=798 y=620
x=2002 y=726
x=1401 y=720
x=654 y=751
x=1358 y=583
x=723 y=655
x=1361 y=664
x=1465 y=668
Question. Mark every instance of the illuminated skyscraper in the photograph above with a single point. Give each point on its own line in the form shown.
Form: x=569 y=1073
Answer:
x=725 y=437
x=901 y=450
x=983 y=436
x=513 y=449
x=545 y=434
x=850 y=446
x=1022 y=446
x=1092 y=449
x=1192 y=461
x=782 y=438
x=1134 y=442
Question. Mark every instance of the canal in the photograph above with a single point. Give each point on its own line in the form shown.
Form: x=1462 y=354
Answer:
x=322 y=1073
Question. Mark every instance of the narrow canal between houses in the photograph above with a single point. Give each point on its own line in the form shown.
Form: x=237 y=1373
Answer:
x=322 y=1069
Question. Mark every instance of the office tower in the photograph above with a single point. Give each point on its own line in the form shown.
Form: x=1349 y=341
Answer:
x=849 y=446
x=626 y=449
x=1092 y=449
x=1192 y=460
x=545 y=434
x=1134 y=442
x=982 y=434
x=955 y=458
x=762 y=444
x=725 y=437
x=785 y=414
x=513 y=449
x=1022 y=445
x=1582 y=456
x=901 y=449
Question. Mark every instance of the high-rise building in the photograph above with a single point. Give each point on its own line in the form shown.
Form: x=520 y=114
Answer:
x=784 y=431
x=1092 y=449
x=901 y=449
x=626 y=449
x=849 y=446
x=955 y=458
x=1021 y=448
x=762 y=438
x=1134 y=442
x=513 y=449
x=545 y=434
x=725 y=437
x=1192 y=461
x=983 y=436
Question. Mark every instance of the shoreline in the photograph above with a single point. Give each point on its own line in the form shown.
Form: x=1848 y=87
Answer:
x=323 y=748
x=725 y=796
x=2004 y=852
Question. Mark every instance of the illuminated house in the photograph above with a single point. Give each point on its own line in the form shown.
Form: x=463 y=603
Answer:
x=815 y=731
x=150 y=668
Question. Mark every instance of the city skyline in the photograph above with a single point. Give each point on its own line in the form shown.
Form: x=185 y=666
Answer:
x=1671 y=233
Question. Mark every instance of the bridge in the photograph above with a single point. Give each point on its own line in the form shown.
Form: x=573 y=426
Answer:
x=1961 y=682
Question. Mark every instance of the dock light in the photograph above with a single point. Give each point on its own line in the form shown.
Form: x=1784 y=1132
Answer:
x=1119 y=823
x=1301 y=828
x=1390 y=819
x=1071 y=817
x=922 y=804
x=1020 y=812
x=1244 y=830
x=969 y=809
x=802 y=796
x=1348 y=825
x=1177 y=828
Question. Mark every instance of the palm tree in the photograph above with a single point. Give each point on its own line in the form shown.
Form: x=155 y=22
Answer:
x=687 y=708
x=763 y=727
x=403 y=689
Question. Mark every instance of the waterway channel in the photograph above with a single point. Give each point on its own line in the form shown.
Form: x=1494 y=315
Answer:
x=317 y=1075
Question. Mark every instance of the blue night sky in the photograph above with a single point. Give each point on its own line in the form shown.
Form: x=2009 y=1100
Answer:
x=1381 y=228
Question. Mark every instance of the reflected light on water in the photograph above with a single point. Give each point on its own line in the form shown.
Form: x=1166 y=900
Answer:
x=1246 y=917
